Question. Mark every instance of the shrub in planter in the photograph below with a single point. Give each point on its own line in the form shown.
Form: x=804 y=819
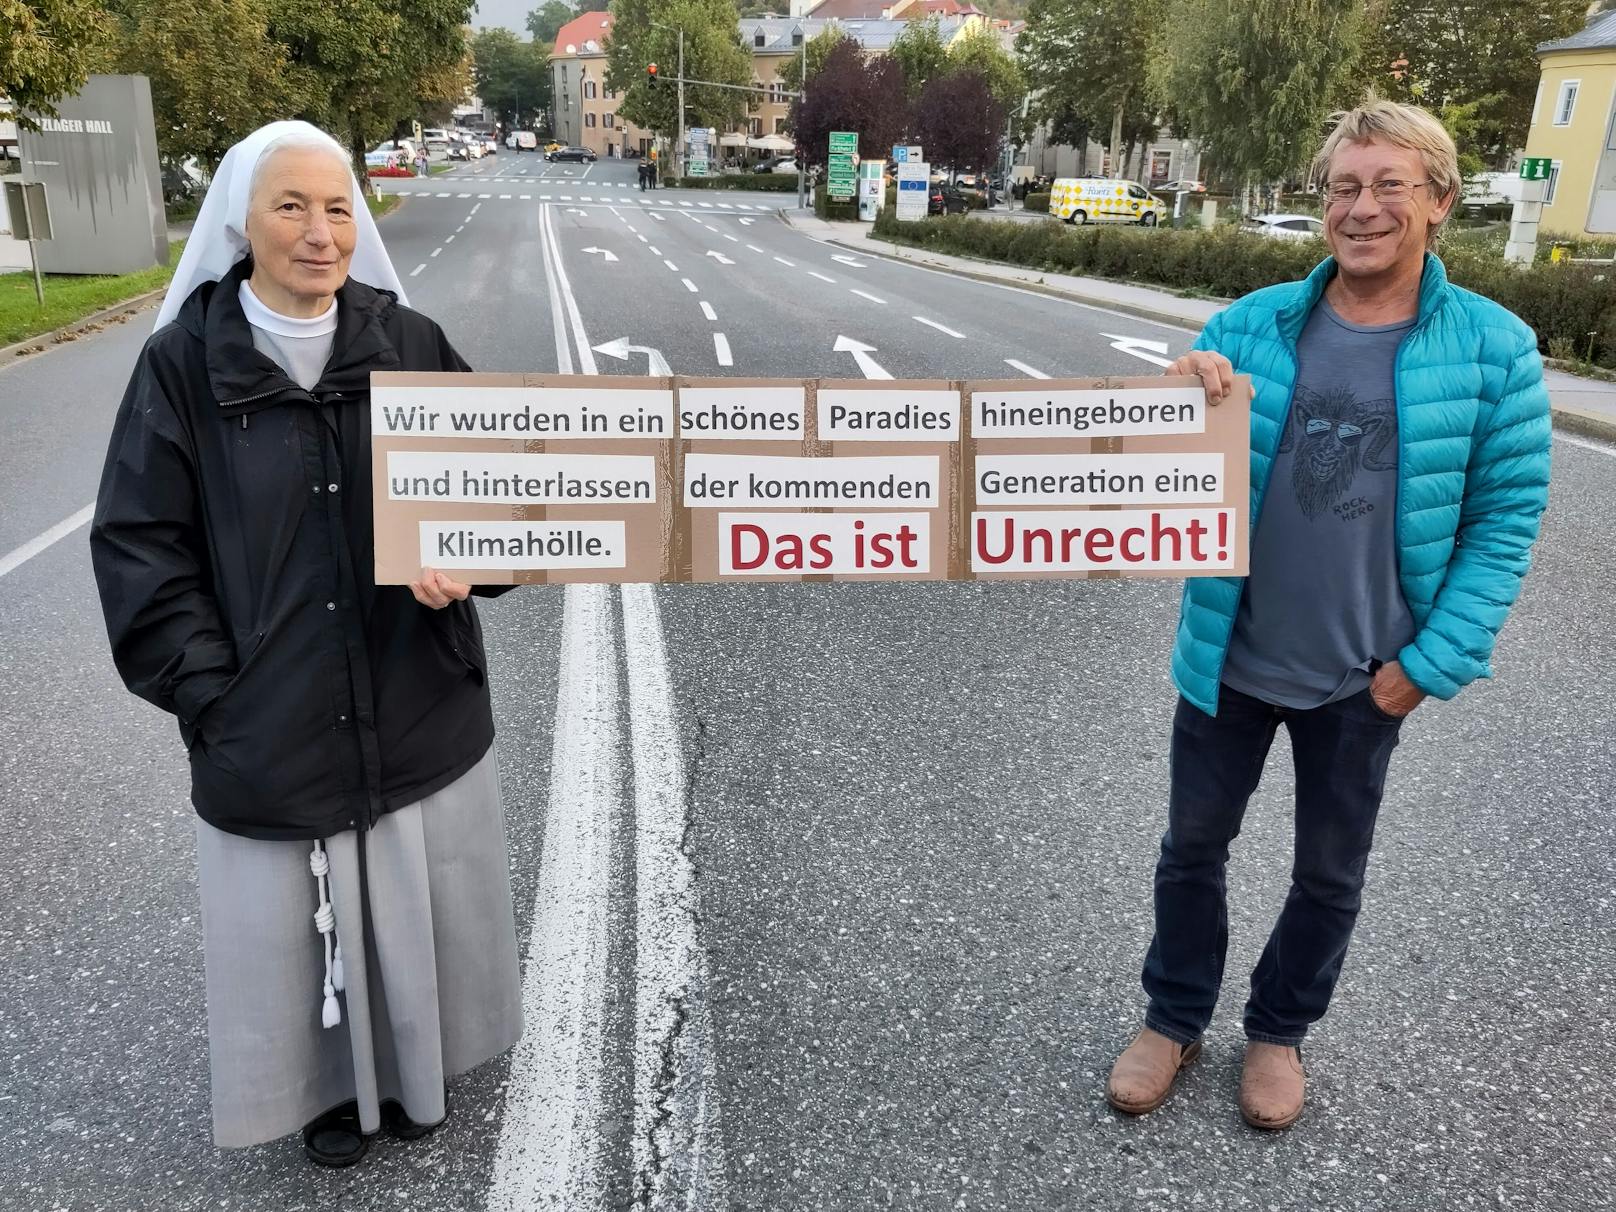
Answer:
x=825 y=208
x=392 y=170
x=768 y=182
x=1038 y=201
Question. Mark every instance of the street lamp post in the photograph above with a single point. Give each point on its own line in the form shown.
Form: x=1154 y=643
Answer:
x=679 y=143
x=802 y=97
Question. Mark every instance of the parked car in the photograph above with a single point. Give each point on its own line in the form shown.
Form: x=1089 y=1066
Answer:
x=946 y=199
x=435 y=137
x=777 y=164
x=1285 y=227
x=391 y=153
x=581 y=155
x=470 y=149
x=1180 y=187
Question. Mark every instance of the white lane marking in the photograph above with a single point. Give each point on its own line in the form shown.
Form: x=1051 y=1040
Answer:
x=653 y=250
x=586 y=359
x=641 y=238
x=820 y=276
x=864 y=294
x=505 y=197
x=444 y=195
x=479 y=205
x=689 y=285
x=1586 y=443
x=549 y=1142
x=721 y=348
x=1145 y=351
x=462 y=195
x=437 y=250
x=787 y=264
x=732 y=239
x=868 y=366
x=460 y=229
x=678 y=1122
x=707 y=310
x=670 y=265
x=544 y=197
x=19 y=556
x=525 y=197
x=754 y=248
x=563 y=353
x=686 y=205
x=849 y=261
x=485 y=195
x=658 y=217
x=1025 y=369
x=703 y=205
x=449 y=239
x=566 y=197
x=626 y=201
x=665 y=202
x=942 y=328
x=418 y=269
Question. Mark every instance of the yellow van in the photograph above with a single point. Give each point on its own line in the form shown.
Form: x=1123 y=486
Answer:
x=1099 y=200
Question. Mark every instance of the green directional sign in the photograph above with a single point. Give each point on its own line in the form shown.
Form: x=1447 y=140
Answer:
x=844 y=142
x=1533 y=168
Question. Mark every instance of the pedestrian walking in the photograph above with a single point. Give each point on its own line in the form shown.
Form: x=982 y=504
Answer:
x=644 y=172
x=1400 y=438
x=650 y=171
x=358 y=937
x=422 y=163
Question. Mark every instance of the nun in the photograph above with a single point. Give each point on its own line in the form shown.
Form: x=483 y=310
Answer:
x=358 y=938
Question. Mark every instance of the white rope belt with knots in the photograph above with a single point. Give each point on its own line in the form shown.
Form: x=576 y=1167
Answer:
x=325 y=921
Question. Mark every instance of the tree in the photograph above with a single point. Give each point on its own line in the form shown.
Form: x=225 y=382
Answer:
x=922 y=53
x=215 y=74
x=1463 y=52
x=47 y=50
x=713 y=51
x=980 y=50
x=852 y=93
x=543 y=24
x=959 y=121
x=789 y=73
x=365 y=67
x=1253 y=80
x=1086 y=62
x=511 y=76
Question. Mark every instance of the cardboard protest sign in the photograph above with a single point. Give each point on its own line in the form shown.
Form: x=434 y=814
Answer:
x=502 y=479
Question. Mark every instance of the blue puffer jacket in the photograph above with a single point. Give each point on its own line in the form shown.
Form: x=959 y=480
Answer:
x=1473 y=472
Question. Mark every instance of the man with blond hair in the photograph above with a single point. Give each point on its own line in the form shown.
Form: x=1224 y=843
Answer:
x=1399 y=466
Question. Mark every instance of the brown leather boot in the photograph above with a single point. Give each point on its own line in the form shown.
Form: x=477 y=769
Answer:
x=1144 y=1074
x=1272 y=1086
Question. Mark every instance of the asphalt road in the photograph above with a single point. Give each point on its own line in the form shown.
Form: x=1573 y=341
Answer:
x=916 y=822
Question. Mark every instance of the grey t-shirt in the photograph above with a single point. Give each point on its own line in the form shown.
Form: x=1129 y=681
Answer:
x=1323 y=600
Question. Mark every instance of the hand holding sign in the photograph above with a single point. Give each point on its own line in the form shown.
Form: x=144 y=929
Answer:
x=1213 y=369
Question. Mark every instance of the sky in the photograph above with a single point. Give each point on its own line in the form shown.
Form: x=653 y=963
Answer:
x=512 y=14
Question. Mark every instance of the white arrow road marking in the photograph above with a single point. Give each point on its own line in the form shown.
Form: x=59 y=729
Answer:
x=856 y=264
x=719 y=257
x=1147 y=351
x=861 y=354
x=607 y=253
x=620 y=349
x=573 y=210
x=943 y=328
x=1025 y=369
x=721 y=348
x=864 y=294
x=549 y=1145
x=707 y=310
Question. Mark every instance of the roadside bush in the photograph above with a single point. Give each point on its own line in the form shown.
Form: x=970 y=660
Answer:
x=826 y=209
x=1560 y=302
x=1039 y=201
x=781 y=183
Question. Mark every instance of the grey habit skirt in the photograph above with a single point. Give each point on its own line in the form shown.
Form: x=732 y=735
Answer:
x=432 y=981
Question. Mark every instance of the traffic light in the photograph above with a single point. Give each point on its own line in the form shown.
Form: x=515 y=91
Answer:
x=650 y=74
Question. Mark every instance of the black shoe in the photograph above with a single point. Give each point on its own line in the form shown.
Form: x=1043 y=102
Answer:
x=334 y=1139
x=401 y=1127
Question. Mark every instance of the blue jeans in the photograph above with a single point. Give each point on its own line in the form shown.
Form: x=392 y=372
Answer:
x=1341 y=753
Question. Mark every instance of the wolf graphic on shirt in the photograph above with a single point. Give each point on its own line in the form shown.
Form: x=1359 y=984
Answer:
x=1335 y=434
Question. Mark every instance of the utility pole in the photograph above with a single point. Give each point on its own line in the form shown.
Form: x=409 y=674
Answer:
x=679 y=152
x=802 y=98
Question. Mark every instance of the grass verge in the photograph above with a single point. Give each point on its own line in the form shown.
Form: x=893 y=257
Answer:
x=69 y=298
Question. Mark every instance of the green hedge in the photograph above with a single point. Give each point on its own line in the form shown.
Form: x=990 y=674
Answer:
x=1564 y=302
x=826 y=209
x=776 y=182
x=1038 y=202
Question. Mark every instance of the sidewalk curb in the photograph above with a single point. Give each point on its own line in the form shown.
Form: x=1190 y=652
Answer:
x=12 y=355
x=1566 y=417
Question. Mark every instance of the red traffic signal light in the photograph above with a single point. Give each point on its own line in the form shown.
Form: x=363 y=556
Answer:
x=650 y=74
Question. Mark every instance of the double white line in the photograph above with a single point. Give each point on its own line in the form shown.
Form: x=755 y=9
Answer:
x=552 y=1148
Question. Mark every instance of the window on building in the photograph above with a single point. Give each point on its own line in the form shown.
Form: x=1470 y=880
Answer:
x=1567 y=103
x=796 y=38
x=754 y=127
x=589 y=119
x=759 y=41
x=1554 y=184
x=608 y=120
x=590 y=90
x=1161 y=165
x=779 y=126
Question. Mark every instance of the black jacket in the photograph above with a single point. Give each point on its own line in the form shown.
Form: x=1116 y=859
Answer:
x=232 y=546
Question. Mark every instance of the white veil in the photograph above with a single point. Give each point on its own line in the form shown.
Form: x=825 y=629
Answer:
x=219 y=237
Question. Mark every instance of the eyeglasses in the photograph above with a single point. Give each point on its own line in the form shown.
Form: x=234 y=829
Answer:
x=1387 y=193
x=1346 y=432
